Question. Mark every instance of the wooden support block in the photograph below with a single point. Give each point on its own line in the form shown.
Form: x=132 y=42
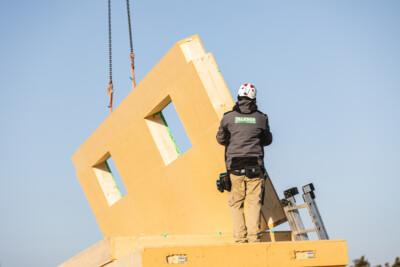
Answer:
x=272 y=211
x=276 y=236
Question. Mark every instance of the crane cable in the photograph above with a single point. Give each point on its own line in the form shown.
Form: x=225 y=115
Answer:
x=110 y=89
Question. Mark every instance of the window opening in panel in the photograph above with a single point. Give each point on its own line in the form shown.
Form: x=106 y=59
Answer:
x=110 y=181
x=168 y=132
x=176 y=129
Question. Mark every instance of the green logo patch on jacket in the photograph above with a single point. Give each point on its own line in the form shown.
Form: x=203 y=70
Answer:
x=245 y=120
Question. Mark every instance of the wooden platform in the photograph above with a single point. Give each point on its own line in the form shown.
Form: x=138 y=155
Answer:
x=209 y=251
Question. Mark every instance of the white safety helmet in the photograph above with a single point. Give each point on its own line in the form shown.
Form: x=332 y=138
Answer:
x=248 y=90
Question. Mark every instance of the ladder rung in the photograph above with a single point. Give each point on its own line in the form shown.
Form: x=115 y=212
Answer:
x=297 y=207
x=304 y=231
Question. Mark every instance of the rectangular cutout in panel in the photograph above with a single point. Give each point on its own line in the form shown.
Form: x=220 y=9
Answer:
x=178 y=133
x=110 y=181
x=117 y=178
x=169 y=133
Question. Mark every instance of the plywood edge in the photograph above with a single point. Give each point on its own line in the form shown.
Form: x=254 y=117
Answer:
x=192 y=48
x=214 y=84
x=272 y=211
x=97 y=255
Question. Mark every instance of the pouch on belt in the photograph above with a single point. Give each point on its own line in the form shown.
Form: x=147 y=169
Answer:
x=225 y=181
x=255 y=171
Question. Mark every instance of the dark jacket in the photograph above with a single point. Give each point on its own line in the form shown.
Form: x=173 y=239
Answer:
x=244 y=132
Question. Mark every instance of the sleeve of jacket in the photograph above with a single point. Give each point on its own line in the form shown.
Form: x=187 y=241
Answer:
x=223 y=133
x=266 y=135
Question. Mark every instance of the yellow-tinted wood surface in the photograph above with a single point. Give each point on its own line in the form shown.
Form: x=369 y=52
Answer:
x=172 y=207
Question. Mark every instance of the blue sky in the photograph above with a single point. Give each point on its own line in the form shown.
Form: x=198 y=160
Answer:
x=327 y=74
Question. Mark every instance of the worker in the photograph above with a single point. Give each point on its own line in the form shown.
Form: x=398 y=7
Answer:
x=244 y=131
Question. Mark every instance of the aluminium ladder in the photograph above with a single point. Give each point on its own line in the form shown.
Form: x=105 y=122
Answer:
x=293 y=216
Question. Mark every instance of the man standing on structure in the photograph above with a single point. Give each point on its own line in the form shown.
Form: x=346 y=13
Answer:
x=244 y=131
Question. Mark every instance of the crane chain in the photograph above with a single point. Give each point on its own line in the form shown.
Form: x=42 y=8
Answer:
x=132 y=55
x=109 y=38
x=110 y=89
x=129 y=24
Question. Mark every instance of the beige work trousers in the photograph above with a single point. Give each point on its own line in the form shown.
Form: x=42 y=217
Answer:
x=249 y=189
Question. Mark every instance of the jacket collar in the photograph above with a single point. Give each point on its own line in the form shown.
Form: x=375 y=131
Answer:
x=245 y=106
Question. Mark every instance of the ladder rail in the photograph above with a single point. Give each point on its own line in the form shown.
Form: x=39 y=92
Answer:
x=316 y=217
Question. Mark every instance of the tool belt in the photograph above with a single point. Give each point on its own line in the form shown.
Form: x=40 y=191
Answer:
x=255 y=171
x=224 y=181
